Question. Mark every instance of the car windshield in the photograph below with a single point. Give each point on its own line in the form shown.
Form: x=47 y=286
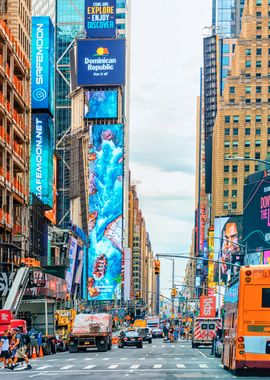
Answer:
x=132 y=333
x=143 y=331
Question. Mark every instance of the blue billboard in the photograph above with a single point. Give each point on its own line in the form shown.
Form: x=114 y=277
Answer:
x=101 y=104
x=100 y=18
x=105 y=217
x=101 y=62
x=42 y=64
x=41 y=158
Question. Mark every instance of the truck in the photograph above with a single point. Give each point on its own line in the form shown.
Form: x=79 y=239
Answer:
x=152 y=322
x=64 y=320
x=205 y=331
x=9 y=322
x=91 y=331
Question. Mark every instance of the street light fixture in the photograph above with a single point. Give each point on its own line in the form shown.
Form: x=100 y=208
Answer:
x=236 y=158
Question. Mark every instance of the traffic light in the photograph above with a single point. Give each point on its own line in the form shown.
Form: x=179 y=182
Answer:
x=174 y=292
x=138 y=296
x=157 y=267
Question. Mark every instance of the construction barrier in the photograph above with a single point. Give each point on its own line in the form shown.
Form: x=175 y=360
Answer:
x=114 y=340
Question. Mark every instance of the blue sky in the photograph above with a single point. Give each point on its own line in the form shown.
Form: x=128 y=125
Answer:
x=166 y=55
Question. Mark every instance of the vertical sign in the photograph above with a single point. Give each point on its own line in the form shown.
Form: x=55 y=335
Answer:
x=72 y=252
x=207 y=307
x=100 y=18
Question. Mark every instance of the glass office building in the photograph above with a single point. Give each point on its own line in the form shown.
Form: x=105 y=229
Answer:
x=227 y=16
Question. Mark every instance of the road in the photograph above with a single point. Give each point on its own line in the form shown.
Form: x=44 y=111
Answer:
x=158 y=360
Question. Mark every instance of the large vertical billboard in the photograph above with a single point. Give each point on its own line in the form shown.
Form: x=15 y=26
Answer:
x=41 y=159
x=101 y=104
x=51 y=214
x=211 y=265
x=101 y=62
x=100 y=18
x=227 y=245
x=106 y=169
x=72 y=253
x=42 y=80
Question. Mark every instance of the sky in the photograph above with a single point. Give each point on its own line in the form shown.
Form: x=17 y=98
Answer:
x=166 y=56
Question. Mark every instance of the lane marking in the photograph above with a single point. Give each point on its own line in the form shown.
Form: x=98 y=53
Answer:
x=159 y=358
x=163 y=346
x=52 y=360
x=43 y=367
x=177 y=358
x=70 y=360
x=106 y=358
x=172 y=345
x=203 y=365
x=113 y=366
x=67 y=367
x=157 y=366
x=89 y=359
x=90 y=366
x=135 y=366
x=154 y=345
x=123 y=359
x=220 y=365
x=141 y=358
x=37 y=374
x=180 y=366
x=202 y=354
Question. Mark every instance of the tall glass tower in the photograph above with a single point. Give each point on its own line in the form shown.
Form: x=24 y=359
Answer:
x=227 y=16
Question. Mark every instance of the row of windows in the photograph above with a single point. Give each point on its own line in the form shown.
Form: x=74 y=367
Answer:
x=226 y=193
x=228 y=206
x=248 y=118
x=235 y=131
x=226 y=168
x=258 y=64
x=258 y=89
x=235 y=144
x=259 y=2
x=258 y=50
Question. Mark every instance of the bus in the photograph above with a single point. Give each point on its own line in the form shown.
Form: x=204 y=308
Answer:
x=246 y=342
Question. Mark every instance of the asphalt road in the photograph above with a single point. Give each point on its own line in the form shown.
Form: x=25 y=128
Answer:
x=158 y=360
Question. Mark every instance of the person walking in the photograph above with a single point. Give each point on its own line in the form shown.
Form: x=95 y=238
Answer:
x=20 y=350
x=171 y=332
x=176 y=333
x=4 y=344
x=165 y=331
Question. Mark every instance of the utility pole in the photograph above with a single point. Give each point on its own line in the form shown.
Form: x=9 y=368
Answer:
x=173 y=285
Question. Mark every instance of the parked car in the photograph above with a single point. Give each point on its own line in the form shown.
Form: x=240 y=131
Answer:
x=157 y=333
x=130 y=337
x=145 y=333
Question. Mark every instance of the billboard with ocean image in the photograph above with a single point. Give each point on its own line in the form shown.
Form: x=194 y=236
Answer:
x=101 y=104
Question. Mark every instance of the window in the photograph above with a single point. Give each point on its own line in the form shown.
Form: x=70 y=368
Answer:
x=236 y=119
x=248 y=75
x=227 y=144
x=247 y=131
x=258 y=89
x=248 y=51
x=265 y=297
x=268 y=131
x=257 y=155
x=258 y=75
x=247 y=143
x=246 y=168
x=256 y=167
x=234 y=193
x=248 y=64
x=226 y=48
x=203 y=326
x=258 y=143
x=258 y=100
x=226 y=169
x=235 y=131
x=259 y=51
x=227 y=131
x=225 y=61
x=227 y=119
x=268 y=88
x=247 y=154
x=258 y=131
x=235 y=168
x=268 y=142
x=268 y=118
x=226 y=181
x=248 y=118
x=259 y=26
x=226 y=206
x=258 y=2
x=232 y=90
x=258 y=37
x=258 y=64
x=212 y=326
x=248 y=101
x=234 y=180
x=258 y=14
x=258 y=118
x=248 y=89
x=234 y=205
x=235 y=144
x=232 y=101
x=225 y=193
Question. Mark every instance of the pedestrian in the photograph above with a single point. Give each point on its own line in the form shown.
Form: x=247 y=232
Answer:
x=176 y=333
x=171 y=331
x=20 y=349
x=165 y=331
x=182 y=332
x=5 y=353
x=187 y=332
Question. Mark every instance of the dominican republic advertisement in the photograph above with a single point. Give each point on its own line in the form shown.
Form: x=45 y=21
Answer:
x=41 y=158
x=101 y=62
x=105 y=217
x=42 y=64
x=100 y=18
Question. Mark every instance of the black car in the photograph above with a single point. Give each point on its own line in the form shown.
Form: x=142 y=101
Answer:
x=130 y=337
x=145 y=333
x=157 y=333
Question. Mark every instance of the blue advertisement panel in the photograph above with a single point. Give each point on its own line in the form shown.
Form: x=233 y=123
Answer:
x=41 y=158
x=100 y=18
x=101 y=104
x=101 y=62
x=42 y=64
x=105 y=218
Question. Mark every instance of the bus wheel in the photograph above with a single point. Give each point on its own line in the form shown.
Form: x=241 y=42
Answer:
x=236 y=372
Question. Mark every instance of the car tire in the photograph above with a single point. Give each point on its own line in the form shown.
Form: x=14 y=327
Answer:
x=139 y=345
x=150 y=341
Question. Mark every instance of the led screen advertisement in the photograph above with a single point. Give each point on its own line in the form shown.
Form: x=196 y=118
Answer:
x=41 y=158
x=256 y=219
x=101 y=104
x=105 y=219
x=227 y=246
x=42 y=64
x=100 y=18
x=51 y=214
x=72 y=253
x=101 y=62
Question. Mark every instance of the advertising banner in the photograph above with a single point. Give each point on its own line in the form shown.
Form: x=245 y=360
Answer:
x=227 y=243
x=72 y=252
x=127 y=273
x=41 y=158
x=100 y=18
x=51 y=214
x=211 y=265
x=105 y=218
x=54 y=286
x=101 y=104
x=101 y=62
x=42 y=64
x=256 y=218
x=207 y=306
x=266 y=257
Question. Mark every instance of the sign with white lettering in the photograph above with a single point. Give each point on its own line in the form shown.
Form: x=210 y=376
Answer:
x=207 y=306
x=100 y=18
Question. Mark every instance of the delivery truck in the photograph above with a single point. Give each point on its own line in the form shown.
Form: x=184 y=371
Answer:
x=91 y=331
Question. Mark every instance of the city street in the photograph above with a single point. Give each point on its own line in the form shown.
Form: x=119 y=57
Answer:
x=155 y=361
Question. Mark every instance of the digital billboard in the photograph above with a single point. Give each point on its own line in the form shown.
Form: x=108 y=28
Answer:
x=211 y=265
x=101 y=62
x=101 y=104
x=256 y=218
x=41 y=158
x=51 y=214
x=72 y=253
x=100 y=18
x=105 y=218
x=42 y=64
x=227 y=246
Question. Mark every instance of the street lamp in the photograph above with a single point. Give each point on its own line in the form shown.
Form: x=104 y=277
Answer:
x=171 y=259
x=236 y=158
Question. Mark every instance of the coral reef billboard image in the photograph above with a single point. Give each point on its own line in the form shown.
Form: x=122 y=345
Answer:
x=100 y=104
x=105 y=218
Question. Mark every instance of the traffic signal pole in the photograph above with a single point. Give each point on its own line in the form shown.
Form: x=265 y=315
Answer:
x=158 y=295
x=173 y=285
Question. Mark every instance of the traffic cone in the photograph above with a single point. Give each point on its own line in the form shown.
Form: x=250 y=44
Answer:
x=34 y=353
x=41 y=352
